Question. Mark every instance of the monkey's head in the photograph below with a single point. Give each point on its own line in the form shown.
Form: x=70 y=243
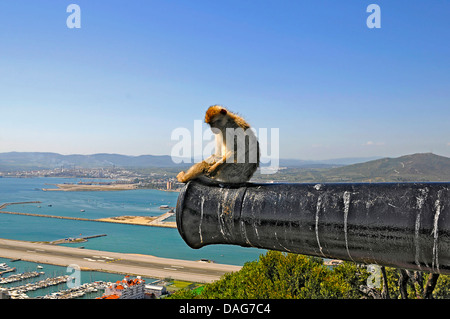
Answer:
x=216 y=116
x=219 y=117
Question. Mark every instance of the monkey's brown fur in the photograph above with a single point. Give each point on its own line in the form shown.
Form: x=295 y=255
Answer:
x=224 y=165
x=216 y=110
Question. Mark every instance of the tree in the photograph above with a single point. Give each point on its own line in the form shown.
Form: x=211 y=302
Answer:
x=277 y=275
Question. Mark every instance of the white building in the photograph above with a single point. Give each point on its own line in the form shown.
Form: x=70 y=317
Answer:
x=154 y=291
x=126 y=289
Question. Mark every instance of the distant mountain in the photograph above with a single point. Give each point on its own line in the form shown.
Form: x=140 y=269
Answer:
x=325 y=163
x=408 y=168
x=416 y=167
x=45 y=160
x=37 y=160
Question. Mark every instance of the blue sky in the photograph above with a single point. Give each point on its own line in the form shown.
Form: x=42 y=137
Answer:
x=137 y=70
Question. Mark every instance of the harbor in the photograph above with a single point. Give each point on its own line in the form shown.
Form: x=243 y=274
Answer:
x=51 y=283
x=84 y=285
x=20 y=292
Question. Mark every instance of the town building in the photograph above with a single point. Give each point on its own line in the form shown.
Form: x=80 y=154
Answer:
x=126 y=289
x=154 y=291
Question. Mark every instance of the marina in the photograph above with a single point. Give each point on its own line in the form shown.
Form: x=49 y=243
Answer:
x=20 y=291
x=26 y=285
x=56 y=283
x=77 y=292
x=19 y=277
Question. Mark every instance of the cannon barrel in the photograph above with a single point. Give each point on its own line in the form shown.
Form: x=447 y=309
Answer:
x=403 y=225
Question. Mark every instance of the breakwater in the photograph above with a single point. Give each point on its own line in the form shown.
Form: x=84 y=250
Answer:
x=159 y=222
x=2 y=206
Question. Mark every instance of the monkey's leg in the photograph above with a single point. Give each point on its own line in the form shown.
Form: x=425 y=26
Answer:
x=193 y=172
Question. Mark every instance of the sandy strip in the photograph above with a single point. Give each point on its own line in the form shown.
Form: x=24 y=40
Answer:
x=135 y=220
x=83 y=187
x=142 y=220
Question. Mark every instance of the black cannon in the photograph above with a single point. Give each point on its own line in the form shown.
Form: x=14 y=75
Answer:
x=403 y=225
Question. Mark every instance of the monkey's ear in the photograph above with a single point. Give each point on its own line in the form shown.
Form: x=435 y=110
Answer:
x=223 y=111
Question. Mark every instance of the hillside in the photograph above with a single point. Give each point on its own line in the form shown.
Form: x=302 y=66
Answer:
x=408 y=168
x=422 y=167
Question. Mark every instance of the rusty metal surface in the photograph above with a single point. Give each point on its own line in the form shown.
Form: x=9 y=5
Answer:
x=404 y=225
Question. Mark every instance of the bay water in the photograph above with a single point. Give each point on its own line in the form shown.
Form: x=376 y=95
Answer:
x=156 y=241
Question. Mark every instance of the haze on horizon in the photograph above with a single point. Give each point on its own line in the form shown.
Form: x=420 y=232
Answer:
x=137 y=70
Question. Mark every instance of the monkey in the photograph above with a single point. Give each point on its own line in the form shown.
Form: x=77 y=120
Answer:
x=236 y=156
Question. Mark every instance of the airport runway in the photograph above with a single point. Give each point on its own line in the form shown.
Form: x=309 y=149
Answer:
x=132 y=264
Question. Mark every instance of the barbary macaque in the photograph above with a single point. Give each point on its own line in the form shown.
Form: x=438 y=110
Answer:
x=236 y=156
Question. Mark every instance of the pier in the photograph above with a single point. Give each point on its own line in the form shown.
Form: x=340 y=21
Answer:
x=8 y=270
x=75 y=239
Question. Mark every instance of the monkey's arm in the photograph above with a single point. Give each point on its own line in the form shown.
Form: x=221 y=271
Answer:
x=193 y=172
x=197 y=169
x=213 y=169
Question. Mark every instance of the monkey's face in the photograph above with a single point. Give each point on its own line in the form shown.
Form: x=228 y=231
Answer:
x=216 y=116
x=217 y=123
x=214 y=122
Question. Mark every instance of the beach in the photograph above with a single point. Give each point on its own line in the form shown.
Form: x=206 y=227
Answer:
x=142 y=220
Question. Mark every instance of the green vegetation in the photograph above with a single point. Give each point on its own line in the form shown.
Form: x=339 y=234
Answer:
x=279 y=275
x=174 y=286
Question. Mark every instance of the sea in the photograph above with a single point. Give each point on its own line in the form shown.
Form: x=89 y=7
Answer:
x=156 y=241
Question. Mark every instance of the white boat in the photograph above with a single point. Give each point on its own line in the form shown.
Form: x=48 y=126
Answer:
x=39 y=267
